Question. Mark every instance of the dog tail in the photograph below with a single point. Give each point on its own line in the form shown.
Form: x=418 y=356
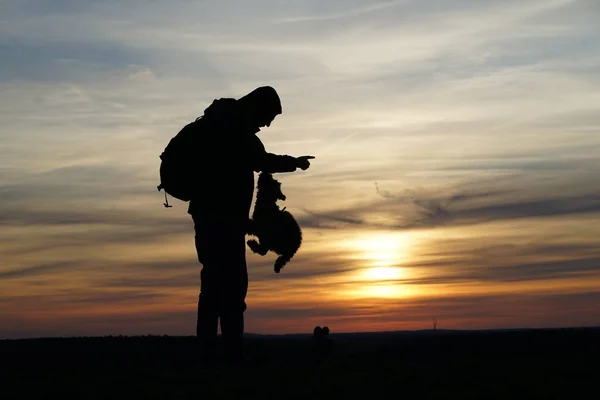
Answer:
x=282 y=261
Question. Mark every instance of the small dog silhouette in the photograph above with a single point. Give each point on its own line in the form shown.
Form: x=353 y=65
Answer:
x=276 y=229
x=322 y=343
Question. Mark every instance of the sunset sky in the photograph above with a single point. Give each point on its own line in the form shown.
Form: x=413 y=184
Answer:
x=456 y=174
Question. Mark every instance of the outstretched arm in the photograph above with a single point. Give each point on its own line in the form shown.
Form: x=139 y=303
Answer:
x=274 y=163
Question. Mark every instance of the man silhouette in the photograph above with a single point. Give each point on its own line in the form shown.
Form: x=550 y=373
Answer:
x=221 y=207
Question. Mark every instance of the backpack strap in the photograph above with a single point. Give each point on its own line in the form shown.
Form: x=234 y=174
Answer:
x=166 y=203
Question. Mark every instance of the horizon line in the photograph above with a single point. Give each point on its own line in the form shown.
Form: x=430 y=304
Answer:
x=310 y=334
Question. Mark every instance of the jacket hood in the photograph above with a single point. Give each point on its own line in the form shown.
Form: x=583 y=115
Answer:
x=262 y=99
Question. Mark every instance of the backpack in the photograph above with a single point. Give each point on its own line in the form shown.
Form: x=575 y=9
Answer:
x=177 y=164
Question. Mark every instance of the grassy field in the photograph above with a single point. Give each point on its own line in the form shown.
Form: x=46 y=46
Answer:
x=549 y=364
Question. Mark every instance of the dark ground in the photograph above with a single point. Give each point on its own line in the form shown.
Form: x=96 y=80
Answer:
x=558 y=364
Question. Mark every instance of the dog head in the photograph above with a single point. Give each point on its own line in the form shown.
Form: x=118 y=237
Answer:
x=269 y=187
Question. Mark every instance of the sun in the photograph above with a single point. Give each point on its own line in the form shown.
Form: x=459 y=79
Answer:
x=381 y=274
x=382 y=250
x=381 y=259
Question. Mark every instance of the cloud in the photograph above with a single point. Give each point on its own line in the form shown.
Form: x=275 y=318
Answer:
x=422 y=208
x=351 y=13
x=117 y=297
x=456 y=271
x=35 y=270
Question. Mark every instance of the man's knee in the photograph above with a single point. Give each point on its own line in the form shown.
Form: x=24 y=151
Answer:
x=209 y=297
x=233 y=305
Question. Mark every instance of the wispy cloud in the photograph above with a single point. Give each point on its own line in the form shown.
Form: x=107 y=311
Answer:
x=345 y=14
x=422 y=208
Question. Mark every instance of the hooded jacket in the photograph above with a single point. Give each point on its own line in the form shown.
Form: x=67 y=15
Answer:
x=230 y=153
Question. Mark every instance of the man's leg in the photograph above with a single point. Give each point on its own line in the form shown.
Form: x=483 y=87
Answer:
x=234 y=289
x=209 y=298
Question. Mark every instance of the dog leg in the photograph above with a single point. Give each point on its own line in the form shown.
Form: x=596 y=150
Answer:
x=257 y=247
x=281 y=262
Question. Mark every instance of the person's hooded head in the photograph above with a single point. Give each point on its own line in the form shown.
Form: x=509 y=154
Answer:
x=260 y=107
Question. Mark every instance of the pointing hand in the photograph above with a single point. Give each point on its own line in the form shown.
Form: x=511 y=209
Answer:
x=303 y=162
